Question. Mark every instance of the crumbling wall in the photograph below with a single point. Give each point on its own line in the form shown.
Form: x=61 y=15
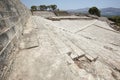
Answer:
x=13 y=17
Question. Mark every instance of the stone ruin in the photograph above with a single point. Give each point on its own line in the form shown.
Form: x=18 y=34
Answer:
x=56 y=48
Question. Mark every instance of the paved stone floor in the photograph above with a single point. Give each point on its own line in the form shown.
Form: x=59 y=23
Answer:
x=67 y=50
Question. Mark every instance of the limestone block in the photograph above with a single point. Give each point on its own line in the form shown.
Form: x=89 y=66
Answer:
x=2 y=24
x=13 y=19
x=1 y=46
x=29 y=41
x=0 y=16
x=11 y=33
x=3 y=39
x=4 y=14
x=91 y=58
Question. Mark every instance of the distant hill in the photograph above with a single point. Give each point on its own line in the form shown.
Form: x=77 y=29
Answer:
x=110 y=11
x=104 y=11
x=83 y=10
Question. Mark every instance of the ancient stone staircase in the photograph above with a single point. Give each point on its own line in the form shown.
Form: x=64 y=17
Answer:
x=64 y=55
x=34 y=48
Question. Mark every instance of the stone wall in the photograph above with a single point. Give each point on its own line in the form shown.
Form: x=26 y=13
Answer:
x=45 y=14
x=13 y=17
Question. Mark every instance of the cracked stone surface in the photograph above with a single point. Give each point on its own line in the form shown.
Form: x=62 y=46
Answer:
x=67 y=50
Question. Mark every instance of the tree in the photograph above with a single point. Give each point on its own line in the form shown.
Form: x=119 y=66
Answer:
x=94 y=11
x=43 y=7
x=49 y=7
x=53 y=7
x=33 y=8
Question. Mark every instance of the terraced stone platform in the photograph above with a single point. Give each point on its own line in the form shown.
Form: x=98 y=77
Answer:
x=67 y=50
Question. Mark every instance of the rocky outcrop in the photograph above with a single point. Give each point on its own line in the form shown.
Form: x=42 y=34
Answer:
x=13 y=17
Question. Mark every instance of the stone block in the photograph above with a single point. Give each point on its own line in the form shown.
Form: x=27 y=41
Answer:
x=1 y=46
x=2 y=24
x=4 y=14
x=3 y=39
x=11 y=33
x=13 y=19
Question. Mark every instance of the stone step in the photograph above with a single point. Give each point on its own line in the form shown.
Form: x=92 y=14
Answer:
x=76 y=52
x=63 y=49
x=91 y=58
x=95 y=50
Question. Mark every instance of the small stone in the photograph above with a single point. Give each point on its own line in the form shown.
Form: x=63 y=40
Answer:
x=90 y=57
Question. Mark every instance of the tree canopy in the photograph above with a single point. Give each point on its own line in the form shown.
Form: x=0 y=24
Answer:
x=52 y=7
x=33 y=8
x=94 y=11
x=43 y=7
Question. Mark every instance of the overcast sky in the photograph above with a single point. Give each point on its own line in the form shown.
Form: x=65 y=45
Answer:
x=74 y=4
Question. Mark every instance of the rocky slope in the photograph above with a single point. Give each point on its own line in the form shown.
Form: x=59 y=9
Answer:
x=13 y=17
